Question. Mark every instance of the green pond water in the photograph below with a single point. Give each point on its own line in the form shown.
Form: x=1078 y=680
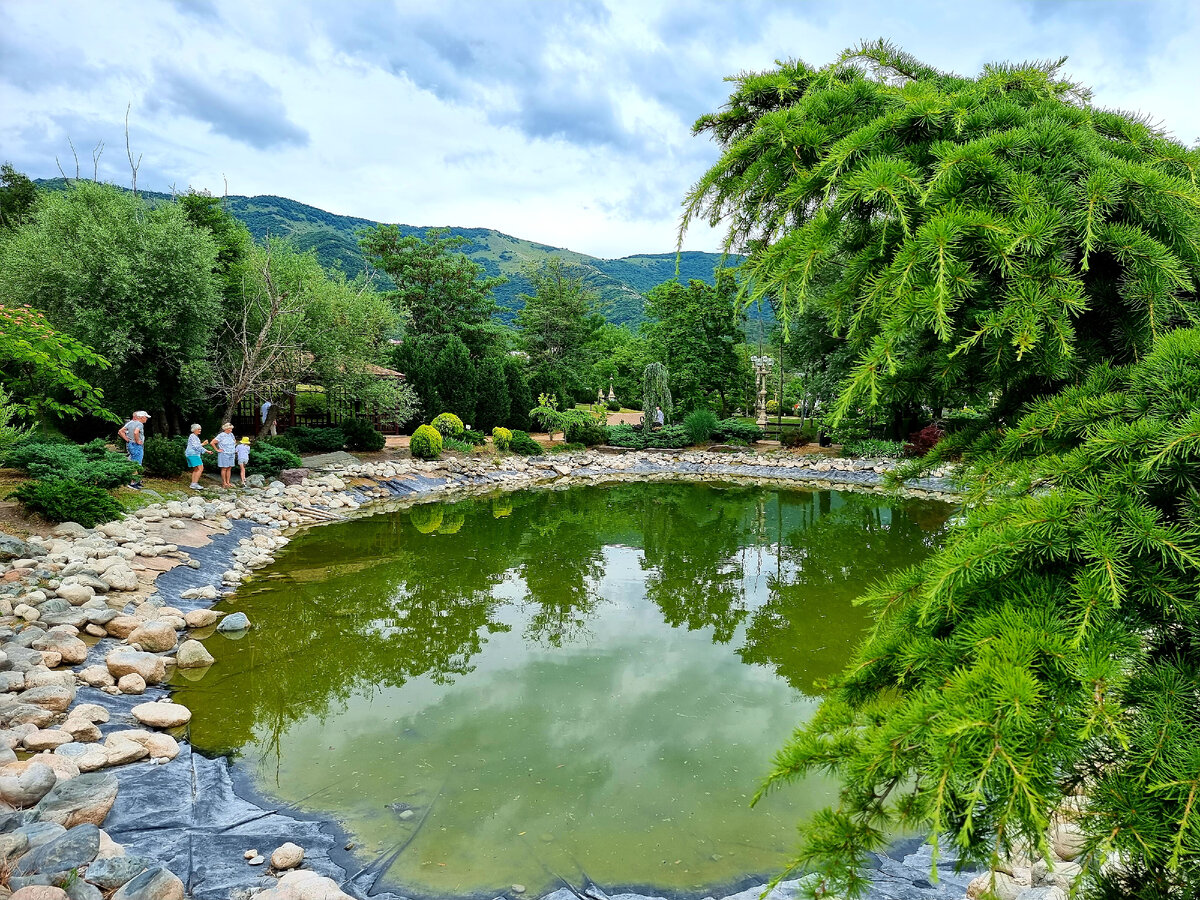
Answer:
x=584 y=681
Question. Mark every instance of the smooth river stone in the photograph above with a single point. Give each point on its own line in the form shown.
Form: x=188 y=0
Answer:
x=83 y=800
x=73 y=850
x=162 y=715
x=153 y=884
x=109 y=874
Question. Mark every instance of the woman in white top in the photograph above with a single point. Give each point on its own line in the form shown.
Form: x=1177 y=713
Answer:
x=225 y=444
x=192 y=453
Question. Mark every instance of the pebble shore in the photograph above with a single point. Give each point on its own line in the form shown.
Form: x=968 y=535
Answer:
x=94 y=622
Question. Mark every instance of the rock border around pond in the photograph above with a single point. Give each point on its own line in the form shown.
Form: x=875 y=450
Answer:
x=93 y=622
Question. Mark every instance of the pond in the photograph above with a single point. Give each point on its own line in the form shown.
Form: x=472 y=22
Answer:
x=549 y=684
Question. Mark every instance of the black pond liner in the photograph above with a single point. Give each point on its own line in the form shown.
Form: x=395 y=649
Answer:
x=197 y=815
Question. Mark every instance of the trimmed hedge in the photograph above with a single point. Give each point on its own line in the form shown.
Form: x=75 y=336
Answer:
x=521 y=443
x=448 y=425
x=501 y=437
x=426 y=443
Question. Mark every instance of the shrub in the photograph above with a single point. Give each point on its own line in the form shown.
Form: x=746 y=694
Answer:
x=742 y=431
x=921 y=442
x=625 y=436
x=269 y=459
x=871 y=448
x=448 y=425
x=361 y=435
x=700 y=425
x=568 y=447
x=772 y=407
x=164 y=456
x=68 y=462
x=96 y=448
x=426 y=443
x=281 y=440
x=472 y=437
x=60 y=500
x=501 y=437
x=669 y=437
x=311 y=403
x=586 y=433
x=797 y=437
x=428 y=518
x=613 y=406
x=523 y=444
x=455 y=444
x=317 y=440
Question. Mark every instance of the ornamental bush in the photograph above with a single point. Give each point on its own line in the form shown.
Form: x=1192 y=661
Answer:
x=613 y=406
x=921 y=442
x=67 y=462
x=671 y=437
x=270 y=459
x=448 y=425
x=587 y=433
x=700 y=425
x=473 y=438
x=62 y=500
x=625 y=436
x=317 y=440
x=743 y=431
x=872 y=448
x=501 y=437
x=164 y=456
x=361 y=435
x=426 y=443
x=524 y=445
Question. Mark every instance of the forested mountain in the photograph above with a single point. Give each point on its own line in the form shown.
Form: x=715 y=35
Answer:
x=620 y=283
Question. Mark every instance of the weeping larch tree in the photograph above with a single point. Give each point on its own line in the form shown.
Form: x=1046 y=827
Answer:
x=998 y=240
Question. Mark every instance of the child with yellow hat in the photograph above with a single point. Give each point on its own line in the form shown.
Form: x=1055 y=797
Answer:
x=243 y=457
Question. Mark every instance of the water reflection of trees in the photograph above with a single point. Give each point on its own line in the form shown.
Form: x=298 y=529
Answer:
x=416 y=594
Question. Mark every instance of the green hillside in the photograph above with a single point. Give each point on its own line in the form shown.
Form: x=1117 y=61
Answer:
x=620 y=283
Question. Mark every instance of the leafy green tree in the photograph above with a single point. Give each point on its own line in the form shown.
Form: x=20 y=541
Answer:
x=695 y=331
x=559 y=320
x=456 y=380
x=17 y=196
x=416 y=357
x=37 y=368
x=232 y=238
x=656 y=392
x=520 y=397
x=133 y=282
x=492 y=403
x=969 y=237
x=620 y=358
x=442 y=291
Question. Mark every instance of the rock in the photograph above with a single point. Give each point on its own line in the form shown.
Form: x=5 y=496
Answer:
x=128 y=662
x=201 y=618
x=192 y=655
x=29 y=787
x=518 y=888
x=46 y=739
x=76 y=594
x=122 y=626
x=88 y=757
x=156 y=637
x=120 y=578
x=12 y=681
x=303 y=884
x=287 y=856
x=27 y=714
x=1006 y=887
x=93 y=712
x=71 y=650
x=73 y=850
x=81 y=729
x=255 y=481
x=97 y=676
x=162 y=715
x=50 y=697
x=294 y=476
x=1050 y=892
x=207 y=592
x=156 y=883
x=236 y=622
x=250 y=854
x=109 y=849
x=15 y=548
x=110 y=873
x=157 y=744
x=120 y=750
x=69 y=530
x=78 y=889
x=1066 y=839
x=40 y=676
x=133 y=683
x=12 y=845
x=39 y=892
x=80 y=801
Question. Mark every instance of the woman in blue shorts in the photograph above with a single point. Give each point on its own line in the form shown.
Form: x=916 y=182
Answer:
x=192 y=453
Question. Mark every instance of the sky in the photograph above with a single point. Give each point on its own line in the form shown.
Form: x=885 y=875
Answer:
x=566 y=122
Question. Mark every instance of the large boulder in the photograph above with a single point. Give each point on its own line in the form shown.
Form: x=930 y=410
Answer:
x=121 y=661
x=156 y=637
x=15 y=548
x=233 y=623
x=120 y=577
x=52 y=697
x=110 y=873
x=162 y=715
x=73 y=850
x=76 y=594
x=71 y=650
x=27 y=788
x=304 y=884
x=83 y=800
x=152 y=884
x=193 y=655
x=122 y=626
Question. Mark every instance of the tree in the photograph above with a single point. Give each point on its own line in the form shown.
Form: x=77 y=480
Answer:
x=520 y=397
x=492 y=403
x=970 y=237
x=620 y=358
x=17 y=196
x=232 y=238
x=456 y=380
x=656 y=392
x=442 y=291
x=559 y=320
x=37 y=369
x=695 y=330
x=416 y=357
x=131 y=281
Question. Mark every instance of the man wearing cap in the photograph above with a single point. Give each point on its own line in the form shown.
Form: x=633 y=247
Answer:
x=133 y=433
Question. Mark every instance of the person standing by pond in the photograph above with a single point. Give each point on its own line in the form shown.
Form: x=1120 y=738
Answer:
x=658 y=418
x=193 y=454
x=225 y=444
x=243 y=457
x=133 y=433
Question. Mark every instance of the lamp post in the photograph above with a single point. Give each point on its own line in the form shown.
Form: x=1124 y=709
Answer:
x=762 y=371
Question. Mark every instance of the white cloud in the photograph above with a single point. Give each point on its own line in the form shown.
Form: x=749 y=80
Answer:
x=566 y=123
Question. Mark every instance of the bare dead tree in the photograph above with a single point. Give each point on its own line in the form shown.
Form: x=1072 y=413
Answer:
x=71 y=144
x=96 y=151
x=134 y=166
x=261 y=348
